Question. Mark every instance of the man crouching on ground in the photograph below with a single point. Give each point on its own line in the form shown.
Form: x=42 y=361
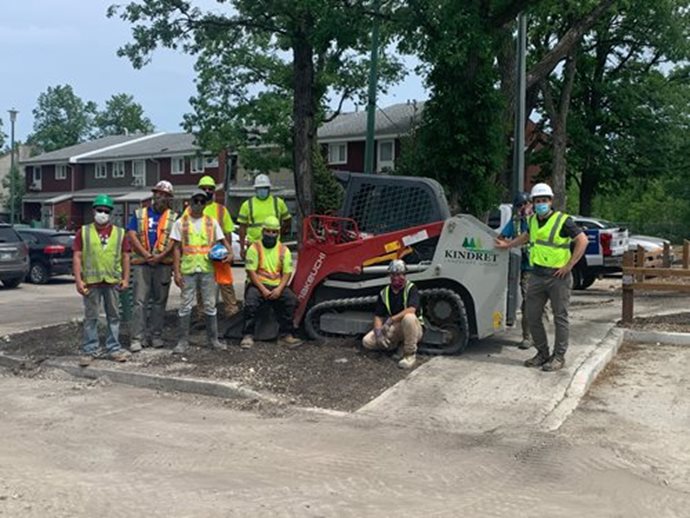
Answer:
x=397 y=317
x=269 y=265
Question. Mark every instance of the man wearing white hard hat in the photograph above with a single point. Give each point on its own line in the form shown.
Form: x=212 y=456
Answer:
x=550 y=236
x=149 y=232
x=255 y=210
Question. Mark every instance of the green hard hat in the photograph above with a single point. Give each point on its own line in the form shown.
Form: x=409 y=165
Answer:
x=103 y=200
x=206 y=181
x=271 y=223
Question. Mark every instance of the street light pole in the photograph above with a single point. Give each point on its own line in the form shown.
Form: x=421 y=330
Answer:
x=520 y=107
x=13 y=118
x=371 y=102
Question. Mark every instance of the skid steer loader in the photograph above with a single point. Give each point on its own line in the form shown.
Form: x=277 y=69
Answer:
x=467 y=287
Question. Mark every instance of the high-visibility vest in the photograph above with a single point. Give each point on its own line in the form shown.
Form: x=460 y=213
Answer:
x=266 y=276
x=101 y=263
x=257 y=218
x=547 y=248
x=217 y=212
x=386 y=297
x=165 y=224
x=196 y=245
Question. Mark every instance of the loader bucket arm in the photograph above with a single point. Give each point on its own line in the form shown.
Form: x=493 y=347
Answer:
x=335 y=245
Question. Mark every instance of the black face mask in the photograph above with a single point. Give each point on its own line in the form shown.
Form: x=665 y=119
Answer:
x=269 y=241
x=209 y=196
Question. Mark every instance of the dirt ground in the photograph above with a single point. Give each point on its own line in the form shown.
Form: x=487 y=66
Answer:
x=337 y=375
x=677 y=323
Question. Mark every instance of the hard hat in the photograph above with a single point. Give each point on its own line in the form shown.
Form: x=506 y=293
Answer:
x=541 y=190
x=200 y=193
x=262 y=180
x=397 y=266
x=163 y=186
x=218 y=252
x=103 y=200
x=206 y=181
x=520 y=199
x=271 y=223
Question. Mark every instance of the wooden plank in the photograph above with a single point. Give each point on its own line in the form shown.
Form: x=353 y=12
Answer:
x=667 y=254
x=686 y=254
x=656 y=286
x=658 y=272
x=628 y=305
x=639 y=263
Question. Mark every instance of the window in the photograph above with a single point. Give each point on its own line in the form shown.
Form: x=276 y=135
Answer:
x=60 y=172
x=101 y=170
x=197 y=164
x=139 y=172
x=210 y=161
x=177 y=166
x=37 y=177
x=118 y=169
x=386 y=155
x=337 y=153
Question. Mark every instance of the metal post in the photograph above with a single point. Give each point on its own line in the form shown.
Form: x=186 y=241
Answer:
x=13 y=118
x=371 y=101
x=628 y=293
x=520 y=107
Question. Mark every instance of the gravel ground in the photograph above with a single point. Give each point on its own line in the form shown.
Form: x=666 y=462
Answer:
x=678 y=323
x=336 y=375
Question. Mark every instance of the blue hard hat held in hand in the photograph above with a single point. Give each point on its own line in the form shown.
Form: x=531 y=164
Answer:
x=218 y=253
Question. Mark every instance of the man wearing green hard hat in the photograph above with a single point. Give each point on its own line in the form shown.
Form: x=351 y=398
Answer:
x=101 y=269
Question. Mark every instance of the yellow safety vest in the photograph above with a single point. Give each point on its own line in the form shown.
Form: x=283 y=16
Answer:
x=257 y=216
x=101 y=264
x=165 y=224
x=386 y=296
x=267 y=276
x=196 y=246
x=547 y=248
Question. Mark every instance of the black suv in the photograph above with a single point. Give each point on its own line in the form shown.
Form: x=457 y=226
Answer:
x=14 y=257
x=51 y=253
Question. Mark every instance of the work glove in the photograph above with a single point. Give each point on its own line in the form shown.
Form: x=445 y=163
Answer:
x=381 y=339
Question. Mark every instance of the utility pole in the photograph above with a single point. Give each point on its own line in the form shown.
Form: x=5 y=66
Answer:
x=371 y=102
x=520 y=107
x=13 y=118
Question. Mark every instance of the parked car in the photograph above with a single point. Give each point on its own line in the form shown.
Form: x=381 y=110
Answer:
x=14 y=257
x=50 y=252
x=607 y=243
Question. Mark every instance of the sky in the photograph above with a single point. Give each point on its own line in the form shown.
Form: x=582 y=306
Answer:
x=50 y=42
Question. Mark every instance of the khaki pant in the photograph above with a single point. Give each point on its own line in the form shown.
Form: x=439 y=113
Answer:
x=408 y=332
x=540 y=290
x=524 y=282
x=151 y=288
x=227 y=293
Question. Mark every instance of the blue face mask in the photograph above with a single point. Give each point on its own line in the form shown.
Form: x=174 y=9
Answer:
x=542 y=209
x=262 y=193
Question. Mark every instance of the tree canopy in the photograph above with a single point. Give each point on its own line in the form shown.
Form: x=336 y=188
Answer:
x=122 y=115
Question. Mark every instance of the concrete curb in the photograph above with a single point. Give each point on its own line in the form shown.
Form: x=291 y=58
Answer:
x=583 y=378
x=654 y=337
x=10 y=362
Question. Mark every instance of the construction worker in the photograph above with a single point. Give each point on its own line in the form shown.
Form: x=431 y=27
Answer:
x=194 y=235
x=220 y=213
x=149 y=232
x=397 y=318
x=517 y=225
x=255 y=210
x=269 y=265
x=101 y=269
x=550 y=236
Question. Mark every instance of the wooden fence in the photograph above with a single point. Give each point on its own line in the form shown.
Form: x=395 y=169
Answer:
x=638 y=277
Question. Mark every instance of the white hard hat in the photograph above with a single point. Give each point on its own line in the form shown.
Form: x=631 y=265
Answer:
x=164 y=186
x=262 y=180
x=397 y=266
x=541 y=190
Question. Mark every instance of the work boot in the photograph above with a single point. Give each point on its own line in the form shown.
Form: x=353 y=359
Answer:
x=538 y=360
x=398 y=354
x=183 y=340
x=212 y=333
x=120 y=356
x=247 y=342
x=556 y=363
x=408 y=361
x=290 y=341
x=157 y=342
x=86 y=360
x=525 y=344
x=135 y=345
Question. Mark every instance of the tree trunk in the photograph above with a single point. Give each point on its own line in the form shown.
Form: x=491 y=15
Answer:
x=588 y=185
x=303 y=119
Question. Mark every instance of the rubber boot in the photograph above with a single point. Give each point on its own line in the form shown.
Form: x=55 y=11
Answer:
x=212 y=333
x=183 y=340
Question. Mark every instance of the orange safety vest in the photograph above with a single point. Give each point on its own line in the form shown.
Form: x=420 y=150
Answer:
x=165 y=224
x=265 y=276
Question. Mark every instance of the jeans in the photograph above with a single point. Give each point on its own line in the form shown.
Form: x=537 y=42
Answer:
x=151 y=284
x=540 y=290
x=92 y=303
x=283 y=307
x=207 y=284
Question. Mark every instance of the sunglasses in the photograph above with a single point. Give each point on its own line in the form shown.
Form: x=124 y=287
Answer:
x=198 y=201
x=103 y=211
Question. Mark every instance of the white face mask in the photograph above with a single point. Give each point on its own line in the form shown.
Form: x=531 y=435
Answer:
x=101 y=218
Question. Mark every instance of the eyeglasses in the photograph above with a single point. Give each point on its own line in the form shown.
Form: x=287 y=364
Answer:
x=103 y=211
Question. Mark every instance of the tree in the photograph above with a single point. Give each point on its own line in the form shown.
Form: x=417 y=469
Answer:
x=61 y=119
x=122 y=116
x=3 y=136
x=265 y=68
x=15 y=177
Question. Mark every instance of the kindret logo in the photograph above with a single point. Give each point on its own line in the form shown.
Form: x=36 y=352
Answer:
x=472 y=252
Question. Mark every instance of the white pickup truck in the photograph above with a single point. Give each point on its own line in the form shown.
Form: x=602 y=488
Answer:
x=607 y=244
